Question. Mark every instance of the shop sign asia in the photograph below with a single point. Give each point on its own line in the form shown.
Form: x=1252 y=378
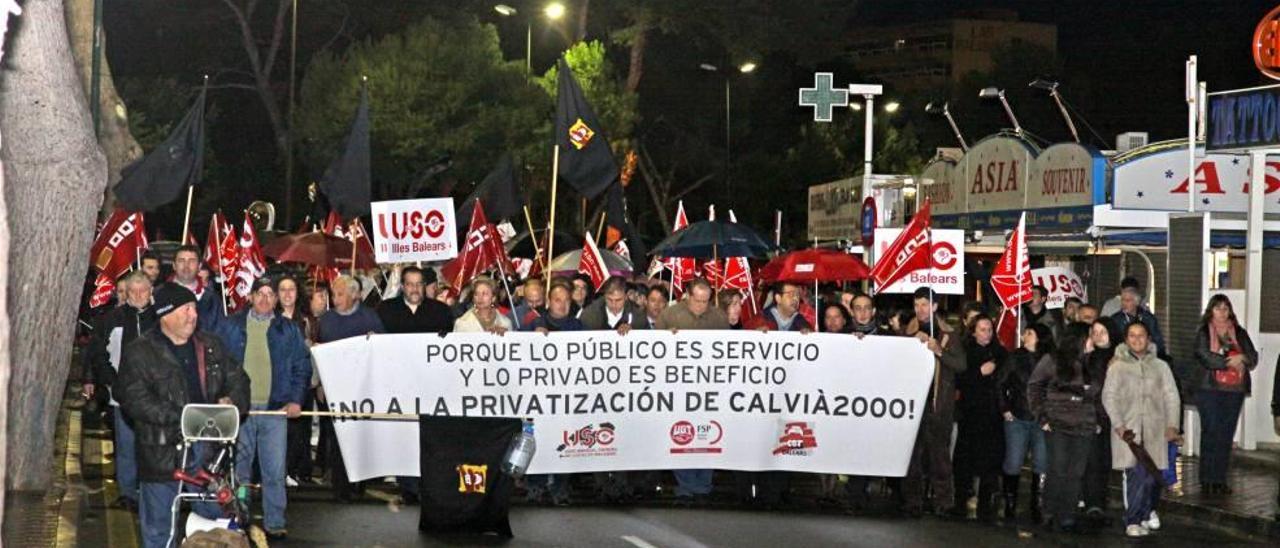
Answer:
x=947 y=275
x=414 y=230
x=1158 y=181
x=1001 y=176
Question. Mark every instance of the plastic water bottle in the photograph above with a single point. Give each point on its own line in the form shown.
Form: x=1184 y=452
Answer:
x=520 y=452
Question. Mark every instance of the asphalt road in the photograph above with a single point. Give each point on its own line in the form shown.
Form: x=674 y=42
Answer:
x=314 y=520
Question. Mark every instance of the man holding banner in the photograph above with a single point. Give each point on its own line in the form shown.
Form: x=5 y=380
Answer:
x=931 y=459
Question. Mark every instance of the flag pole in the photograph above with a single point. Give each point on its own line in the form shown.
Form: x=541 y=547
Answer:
x=351 y=232
x=186 y=218
x=222 y=282
x=533 y=236
x=551 y=223
x=600 y=228
x=510 y=298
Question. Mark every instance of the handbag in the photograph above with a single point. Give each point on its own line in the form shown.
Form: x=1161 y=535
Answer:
x=1228 y=377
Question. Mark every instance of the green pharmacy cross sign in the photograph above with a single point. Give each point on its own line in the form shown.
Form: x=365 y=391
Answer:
x=823 y=97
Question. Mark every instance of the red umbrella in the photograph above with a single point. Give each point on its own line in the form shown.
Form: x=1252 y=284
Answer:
x=316 y=248
x=815 y=265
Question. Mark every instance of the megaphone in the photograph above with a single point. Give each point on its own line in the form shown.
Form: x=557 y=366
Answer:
x=210 y=422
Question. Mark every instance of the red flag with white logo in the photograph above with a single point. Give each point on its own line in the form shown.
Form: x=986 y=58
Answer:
x=252 y=264
x=222 y=250
x=591 y=262
x=481 y=251
x=737 y=273
x=114 y=251
x=907 y=254
x=682 y=269
x=1007 y=329
x=1011 y=277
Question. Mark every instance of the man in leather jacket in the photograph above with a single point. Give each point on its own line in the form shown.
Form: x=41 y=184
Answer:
x=163 y=371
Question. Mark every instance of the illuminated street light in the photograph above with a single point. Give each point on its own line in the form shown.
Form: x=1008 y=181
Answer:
x=747 y=68
x=997 y=93
x=892 y=107
x=554 y=11
x=1052 y=88
x=945 y=111
x=505 y=10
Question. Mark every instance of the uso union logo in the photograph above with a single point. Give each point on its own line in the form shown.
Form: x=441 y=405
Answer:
x=589 y=441
x=690 y=438
x=944 y=255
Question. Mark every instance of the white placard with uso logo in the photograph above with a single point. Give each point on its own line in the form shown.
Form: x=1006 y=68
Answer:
x=1061 y=283
x=947 y=275
x=406 y=231
x=649 y=400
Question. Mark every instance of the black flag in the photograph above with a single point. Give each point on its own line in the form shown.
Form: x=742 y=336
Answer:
x=499 y=192
x=346 y=181
x=463 y=488
x=586 y=162
x=175 y=164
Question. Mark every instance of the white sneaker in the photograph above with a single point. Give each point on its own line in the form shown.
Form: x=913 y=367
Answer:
x=290 y=482
x=1135 y=531
x=1153 y=522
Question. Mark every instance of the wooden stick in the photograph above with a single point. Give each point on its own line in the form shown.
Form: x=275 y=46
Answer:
x=388 y=416
x=551 y=221
x=222 y=282
x=352 y=232
x=600 y=229
x=186 y=219
x=537 y=250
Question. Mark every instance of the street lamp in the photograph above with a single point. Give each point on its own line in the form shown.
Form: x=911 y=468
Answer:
x=996 y=93
x=892 y=107
x=869 y=93
x=745 y=68
x=1052 y=88
x=945 y=111
x=553 y=11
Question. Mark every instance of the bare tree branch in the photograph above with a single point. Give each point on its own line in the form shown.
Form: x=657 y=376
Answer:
x=694 y=186
x=277 y=35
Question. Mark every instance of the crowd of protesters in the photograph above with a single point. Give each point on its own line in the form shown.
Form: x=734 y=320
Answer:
x=1085 y=392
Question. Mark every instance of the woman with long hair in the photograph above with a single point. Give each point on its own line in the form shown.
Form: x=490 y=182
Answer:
x=1063 y=396
x=979 y=449
x=1224 y=350
x=1105 y=336
x=1022 y=434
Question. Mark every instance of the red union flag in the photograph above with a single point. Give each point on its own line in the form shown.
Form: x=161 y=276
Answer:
x=114 y=251
x=591 y=262
x=1007 y=330
x=682 y=269
x=222 y=249
x=1011 y=277
x=481 y=250
x=908 y=253
x=252 y=265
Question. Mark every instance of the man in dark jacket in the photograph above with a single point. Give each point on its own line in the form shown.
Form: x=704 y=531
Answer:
x=163 y=371
x=1037 y=311
x=412 y=312
x=864 y=323
x=186 y=270
x=1132 y=310
x=614 y=310
x=533 y=305
x=931 y=458
x=554 y=487
x=115 y=330
x=784 y=314
x=274 y=355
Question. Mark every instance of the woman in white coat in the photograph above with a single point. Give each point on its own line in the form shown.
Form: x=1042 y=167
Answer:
x=1140 y=396
x=483 y=315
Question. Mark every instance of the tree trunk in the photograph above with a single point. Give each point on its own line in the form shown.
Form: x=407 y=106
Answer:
x=4 y=331
x=581 y=34
x=113 y=133
x=636 y=69
x=55 y=174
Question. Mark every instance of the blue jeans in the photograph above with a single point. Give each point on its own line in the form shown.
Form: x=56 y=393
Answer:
x=1019 y=437
x=155 y=507
x=1219 y=413
x=1141 y=495
x=126 y=457
x=265 y=437
x=692 y=482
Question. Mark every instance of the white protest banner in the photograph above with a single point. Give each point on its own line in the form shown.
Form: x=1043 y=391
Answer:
x=414 y=230
x=947 y=275
x=649 y=400
x=1061 y=282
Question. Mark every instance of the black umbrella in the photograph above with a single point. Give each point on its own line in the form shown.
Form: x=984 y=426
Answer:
x=712 y=240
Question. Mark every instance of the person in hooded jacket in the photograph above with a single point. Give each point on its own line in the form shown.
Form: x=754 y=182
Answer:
x=1063 y=396
x=979 y=451
x=1022 y=432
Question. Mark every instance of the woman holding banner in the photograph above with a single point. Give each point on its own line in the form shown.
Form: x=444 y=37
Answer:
x=483 y=315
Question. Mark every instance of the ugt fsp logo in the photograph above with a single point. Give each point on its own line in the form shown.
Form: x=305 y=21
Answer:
x=472 y=478
x=797 y=439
